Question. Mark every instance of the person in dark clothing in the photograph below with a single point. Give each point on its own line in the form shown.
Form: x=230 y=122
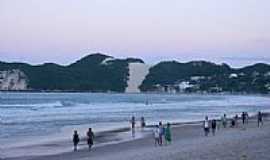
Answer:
x=143 y=122
x=133 y=123
x=76 y=140
x=214 y=126
x=260 y=119
x=233 y=123
x=236 y=120
x=243 y=117
x=161 y=133
x=90 y=138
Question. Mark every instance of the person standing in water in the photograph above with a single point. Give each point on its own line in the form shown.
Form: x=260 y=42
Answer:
x=168 y=134
x=236 y=120
x=161 y=133
x=90 y=138
x=214 y=126
x=143 y=122
x=76 y=140
x=243 y=118
x=224 y=121
x=156 y=135
x=260 y=119
x=133 y=123
x=206 y=126
x=247 y=117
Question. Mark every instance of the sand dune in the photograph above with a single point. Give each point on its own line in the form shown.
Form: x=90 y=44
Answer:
x=137 y=73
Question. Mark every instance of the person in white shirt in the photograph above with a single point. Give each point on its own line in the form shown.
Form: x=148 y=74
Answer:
x=206 y=126
x=156 y=133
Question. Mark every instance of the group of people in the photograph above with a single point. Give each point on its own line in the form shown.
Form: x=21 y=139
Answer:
x=90 y=139
x=160 y=132
x=163 y=132
x=133 y=124
x=224 y=122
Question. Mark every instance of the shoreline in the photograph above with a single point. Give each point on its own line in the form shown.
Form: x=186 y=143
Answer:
x=186 y=134
x=103 y=138
x=160 y=93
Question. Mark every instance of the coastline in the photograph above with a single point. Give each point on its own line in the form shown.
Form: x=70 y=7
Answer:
x=104 y=138
x=189 y=135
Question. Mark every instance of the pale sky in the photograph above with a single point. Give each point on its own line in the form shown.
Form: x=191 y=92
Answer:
x=62 y=31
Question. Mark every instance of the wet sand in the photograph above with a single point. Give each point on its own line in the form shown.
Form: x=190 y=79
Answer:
x=245 y=142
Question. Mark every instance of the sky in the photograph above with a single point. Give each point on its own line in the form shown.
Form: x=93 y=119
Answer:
x=62 y=31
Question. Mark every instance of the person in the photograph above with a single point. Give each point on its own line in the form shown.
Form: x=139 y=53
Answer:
x=90 y=138
x=156 y=135
x=214 y=126
x=233 y=123
x=260 y=119
x=247 y=117
x=161 y=133
x=133 y=123
x=168 y=134
x=76 y=140
x=243 y=118
x=143 y=122
x=206 y=126
x=236 y=120
x=224 y=121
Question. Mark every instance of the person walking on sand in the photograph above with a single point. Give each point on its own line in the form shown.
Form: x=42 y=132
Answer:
x=214 y=126
x=206 y=126
x=161 y=133
x=133 y=123
x=168 y=134
x=90 y=138
x=260 y=119
x=156 y=135
x=76 y=140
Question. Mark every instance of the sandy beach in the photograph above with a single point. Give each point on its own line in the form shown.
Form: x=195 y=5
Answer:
x=189 y=142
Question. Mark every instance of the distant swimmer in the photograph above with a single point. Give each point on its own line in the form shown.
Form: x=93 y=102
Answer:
x=76 y=140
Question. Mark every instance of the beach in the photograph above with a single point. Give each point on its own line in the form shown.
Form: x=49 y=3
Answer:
x=189 y=142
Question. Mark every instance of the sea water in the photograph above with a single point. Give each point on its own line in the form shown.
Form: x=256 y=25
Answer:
x=24 y=117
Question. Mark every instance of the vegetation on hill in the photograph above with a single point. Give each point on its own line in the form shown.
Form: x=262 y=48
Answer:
x=208 y=77
x=87 y=74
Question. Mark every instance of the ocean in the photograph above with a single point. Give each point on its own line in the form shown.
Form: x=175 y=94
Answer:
x=26 y=117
